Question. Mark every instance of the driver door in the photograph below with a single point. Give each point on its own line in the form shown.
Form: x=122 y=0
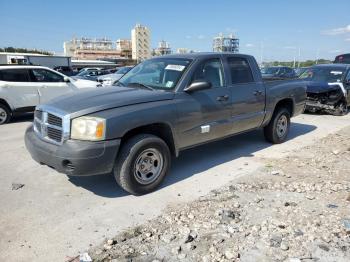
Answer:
x=205 y=114
x=50 y=84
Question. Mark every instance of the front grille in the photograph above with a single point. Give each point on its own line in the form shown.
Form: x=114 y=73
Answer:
x=54 y=120
x=54 y=134
x=48 y=126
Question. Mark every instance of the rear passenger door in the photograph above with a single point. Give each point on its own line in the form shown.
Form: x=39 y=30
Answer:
x=49 y=84
x=16 y=87
x=248 y=96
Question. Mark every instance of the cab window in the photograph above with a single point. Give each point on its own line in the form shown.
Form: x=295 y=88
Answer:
x=210 y=71
x=42 y=75
x=240 y=70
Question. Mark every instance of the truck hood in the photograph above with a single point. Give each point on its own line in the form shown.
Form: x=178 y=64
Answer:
x=89 y=101
x=320 y=87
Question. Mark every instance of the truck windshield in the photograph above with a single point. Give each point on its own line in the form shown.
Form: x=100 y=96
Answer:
x=327 y=74
x=270 y=70
x=158 y=73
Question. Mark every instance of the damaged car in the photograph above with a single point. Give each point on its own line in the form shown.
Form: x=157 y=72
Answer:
x=328 y=89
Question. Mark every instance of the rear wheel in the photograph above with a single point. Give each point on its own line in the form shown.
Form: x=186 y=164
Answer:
x=142 y=164
x=277 y=130
x=5 y=114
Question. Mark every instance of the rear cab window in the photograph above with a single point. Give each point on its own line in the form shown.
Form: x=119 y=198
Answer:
x=14 y=75
x=240 y=70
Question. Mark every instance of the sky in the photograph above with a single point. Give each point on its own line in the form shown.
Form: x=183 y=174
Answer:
x=269 y=29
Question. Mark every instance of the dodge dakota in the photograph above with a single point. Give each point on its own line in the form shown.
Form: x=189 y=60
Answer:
x=162 y=106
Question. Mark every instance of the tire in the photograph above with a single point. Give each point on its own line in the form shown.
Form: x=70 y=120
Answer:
x=5 y=114
x=276 y=131
x=142 y=163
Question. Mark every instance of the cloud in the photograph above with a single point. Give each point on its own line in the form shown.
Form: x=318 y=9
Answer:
x=201 y=37
x=335 y=51
x=249 y=45
x=337 y=31
x=188 y=37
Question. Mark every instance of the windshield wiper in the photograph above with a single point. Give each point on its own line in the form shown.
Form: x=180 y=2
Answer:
x=118 y=83
x=140 y=85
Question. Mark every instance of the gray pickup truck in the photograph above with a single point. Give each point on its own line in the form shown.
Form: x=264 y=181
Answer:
x=159 y=108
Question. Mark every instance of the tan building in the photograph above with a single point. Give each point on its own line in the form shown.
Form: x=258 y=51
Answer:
x=141 y=43
x=88 y=48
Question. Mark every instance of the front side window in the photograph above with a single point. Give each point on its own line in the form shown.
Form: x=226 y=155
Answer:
x=14 y=75
x=210 y=71
x=158 y=73
x=240 y=70
x=42 y=75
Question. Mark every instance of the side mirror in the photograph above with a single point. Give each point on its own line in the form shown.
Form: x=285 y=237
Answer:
x=66 y=79
x=197 y=86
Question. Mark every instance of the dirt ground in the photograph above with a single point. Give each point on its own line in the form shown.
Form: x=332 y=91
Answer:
x=296 y=208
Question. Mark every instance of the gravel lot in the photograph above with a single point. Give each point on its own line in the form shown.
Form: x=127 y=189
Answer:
x=46 y=216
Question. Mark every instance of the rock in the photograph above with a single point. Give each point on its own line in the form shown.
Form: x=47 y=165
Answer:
x=230 y=254
x=85 y=257
x=348 y=198
x=167 y=238
x=284 y=245
x=324 y=247
x=110 y=242
x=275 y=241
x=346 y=223
x=335 y=152
x=176 y=250
x=98 y=252
x=310 y=197
x=107 y=247
x=191 y=236
x=275 y=173
x=332 y=206
x=181 y=256
x=16 y=186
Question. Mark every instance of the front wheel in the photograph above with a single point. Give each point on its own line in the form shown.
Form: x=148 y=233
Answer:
x=5 y=114
x=142 y=164
x=277 y=130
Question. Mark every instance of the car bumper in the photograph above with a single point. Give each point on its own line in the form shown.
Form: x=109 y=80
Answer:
x=73 y=157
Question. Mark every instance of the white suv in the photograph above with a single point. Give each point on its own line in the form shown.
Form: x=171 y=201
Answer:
x=23 y=87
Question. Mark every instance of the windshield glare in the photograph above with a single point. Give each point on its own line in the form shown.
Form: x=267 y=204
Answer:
x=329 y=75
x=159 y=73
x=270 y=70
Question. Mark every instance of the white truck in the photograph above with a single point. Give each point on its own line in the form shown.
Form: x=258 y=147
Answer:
x=22 y=87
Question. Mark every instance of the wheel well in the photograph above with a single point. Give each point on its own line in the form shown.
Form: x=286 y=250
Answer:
x=286 y=103
x=158 y=129
x=2 y=101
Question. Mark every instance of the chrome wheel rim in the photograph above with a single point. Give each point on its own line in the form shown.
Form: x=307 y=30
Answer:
x=282 y=126
x=3 y=115
x=148 y=166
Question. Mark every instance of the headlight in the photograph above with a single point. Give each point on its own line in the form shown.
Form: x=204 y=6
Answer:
x=88 y=128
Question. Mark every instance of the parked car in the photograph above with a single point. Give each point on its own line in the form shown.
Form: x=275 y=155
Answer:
x=91 y=74
x=162 y=106
x=66 y=70
x=278 y=73
x=22 y=87
x=328 y=89
x=300 y=70
x=110 y=79
x=342 y=59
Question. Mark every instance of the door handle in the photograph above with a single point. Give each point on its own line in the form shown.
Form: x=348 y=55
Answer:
x=222 y=98
x=258 y=93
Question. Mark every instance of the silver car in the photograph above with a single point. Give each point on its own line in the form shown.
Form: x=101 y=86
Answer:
x=110 y=79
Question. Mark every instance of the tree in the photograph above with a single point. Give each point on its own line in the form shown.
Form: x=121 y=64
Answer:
x=24 y=50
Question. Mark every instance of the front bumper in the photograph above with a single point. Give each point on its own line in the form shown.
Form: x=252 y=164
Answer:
x=73 y=157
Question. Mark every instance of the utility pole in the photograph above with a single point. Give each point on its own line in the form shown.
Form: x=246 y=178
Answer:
x=317 y=55
x=261 y=52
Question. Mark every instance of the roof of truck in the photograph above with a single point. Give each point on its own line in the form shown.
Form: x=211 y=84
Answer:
x=202 y=54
